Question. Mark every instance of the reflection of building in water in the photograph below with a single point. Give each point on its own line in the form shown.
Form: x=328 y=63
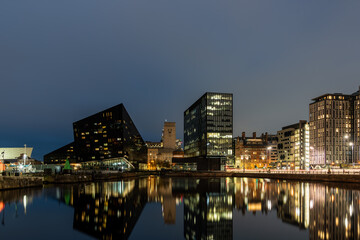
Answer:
x=111 y=210
x=160 y=190
x=259 y=195
x=254 y=195
x=208 y=215
x=108 y=211
x=334 y=213
x=293 y=204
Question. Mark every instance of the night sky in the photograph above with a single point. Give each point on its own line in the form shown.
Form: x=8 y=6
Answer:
x=62 y=60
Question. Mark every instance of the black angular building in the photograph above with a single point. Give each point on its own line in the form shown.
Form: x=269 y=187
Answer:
x=60 y=155
x=208 y=126
x=106 y=137
x=108 y=134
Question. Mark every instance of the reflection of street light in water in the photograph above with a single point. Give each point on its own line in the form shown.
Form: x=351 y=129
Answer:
x=25 y=203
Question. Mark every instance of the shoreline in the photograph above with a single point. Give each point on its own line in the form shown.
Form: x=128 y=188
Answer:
x=8 y=183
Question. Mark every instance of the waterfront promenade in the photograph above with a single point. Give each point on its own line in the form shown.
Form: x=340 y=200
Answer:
x=338 y=175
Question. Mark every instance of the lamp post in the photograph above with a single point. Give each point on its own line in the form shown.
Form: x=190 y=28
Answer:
x=352 y=152
x=25 y=154
x=268 y=154
x=312 y=155
x=346 y=137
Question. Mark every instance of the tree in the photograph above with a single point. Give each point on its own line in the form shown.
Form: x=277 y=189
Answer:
x=67 y=165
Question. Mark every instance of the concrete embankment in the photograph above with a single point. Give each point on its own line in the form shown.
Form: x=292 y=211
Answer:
x=19 y=182
x=91 y=177
x=321 y=177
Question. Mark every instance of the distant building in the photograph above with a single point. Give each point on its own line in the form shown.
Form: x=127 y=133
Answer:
x=294 y=146
x=15 y=154
x=160 y=154
x=59 y=156
x=105 y=139
x=335 y=129
x=208 y=126
x=255 y=152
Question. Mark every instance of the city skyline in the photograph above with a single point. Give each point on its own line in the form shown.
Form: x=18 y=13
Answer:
x=274 y=58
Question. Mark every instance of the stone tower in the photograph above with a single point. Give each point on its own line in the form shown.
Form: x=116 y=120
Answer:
x=169 y=135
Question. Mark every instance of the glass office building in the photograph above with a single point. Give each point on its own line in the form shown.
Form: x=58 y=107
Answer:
x=208 y=126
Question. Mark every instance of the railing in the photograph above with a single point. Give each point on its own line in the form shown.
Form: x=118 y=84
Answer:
x=267 y=171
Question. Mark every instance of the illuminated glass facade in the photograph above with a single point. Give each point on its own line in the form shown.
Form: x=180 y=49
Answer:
x=294 y=146
x=208 y=126
x=108 y=134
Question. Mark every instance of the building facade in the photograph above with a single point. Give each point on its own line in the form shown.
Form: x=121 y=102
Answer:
x=335 y=129
x=59 y=156
x=255 y=152
x=106 y=139
x=108 y=134
x=294 y=146
x=160 y=154
x=208 y=126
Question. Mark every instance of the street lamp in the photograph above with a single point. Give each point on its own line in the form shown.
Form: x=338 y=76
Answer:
x=268 y=154
x=346 y=137
x=352 y=152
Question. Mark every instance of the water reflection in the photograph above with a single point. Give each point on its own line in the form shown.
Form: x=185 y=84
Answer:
x=15 y=199
x=111 y=210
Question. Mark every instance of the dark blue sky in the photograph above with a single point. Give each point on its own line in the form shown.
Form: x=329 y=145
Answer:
x=63 y=60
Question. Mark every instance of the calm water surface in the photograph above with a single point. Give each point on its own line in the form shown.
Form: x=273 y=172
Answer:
x=179 y=208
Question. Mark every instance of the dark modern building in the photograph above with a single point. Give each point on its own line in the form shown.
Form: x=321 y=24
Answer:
x=208 y=126
x=109 y=134
x=60 y=155
x=107 y=137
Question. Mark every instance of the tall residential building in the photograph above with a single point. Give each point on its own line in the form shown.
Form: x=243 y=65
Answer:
x=294 y=146
x=208 y=126
x=335 y=129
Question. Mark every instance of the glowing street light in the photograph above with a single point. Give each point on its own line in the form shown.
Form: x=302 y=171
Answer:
x=352 y=152
x=268 y=151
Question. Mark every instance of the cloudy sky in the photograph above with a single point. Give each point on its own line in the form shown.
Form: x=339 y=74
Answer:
x=61 y=61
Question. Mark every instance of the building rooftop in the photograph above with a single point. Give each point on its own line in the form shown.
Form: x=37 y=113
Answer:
x=14 y=152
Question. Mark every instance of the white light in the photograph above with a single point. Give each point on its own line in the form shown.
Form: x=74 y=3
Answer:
x=311 y=204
